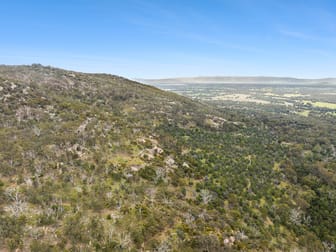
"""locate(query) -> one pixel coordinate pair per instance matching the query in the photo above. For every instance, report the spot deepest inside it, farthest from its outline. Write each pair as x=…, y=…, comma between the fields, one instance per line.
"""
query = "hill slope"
x=98, y=162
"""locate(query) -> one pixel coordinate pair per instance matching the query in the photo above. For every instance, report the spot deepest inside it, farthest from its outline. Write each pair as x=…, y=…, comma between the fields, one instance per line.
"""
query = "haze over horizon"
x=160, y=39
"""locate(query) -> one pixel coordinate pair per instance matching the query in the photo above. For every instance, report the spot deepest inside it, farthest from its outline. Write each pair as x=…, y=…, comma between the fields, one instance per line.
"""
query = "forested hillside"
x=95, y=162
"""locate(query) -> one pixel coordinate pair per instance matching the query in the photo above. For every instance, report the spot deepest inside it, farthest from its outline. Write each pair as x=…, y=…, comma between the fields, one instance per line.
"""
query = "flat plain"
x=301, y=100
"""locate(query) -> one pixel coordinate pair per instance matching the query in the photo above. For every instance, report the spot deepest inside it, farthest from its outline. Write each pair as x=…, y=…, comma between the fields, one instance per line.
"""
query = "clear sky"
x=170, y=38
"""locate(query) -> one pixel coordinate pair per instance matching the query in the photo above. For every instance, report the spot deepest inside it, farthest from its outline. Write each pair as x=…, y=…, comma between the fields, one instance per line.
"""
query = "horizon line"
x=170, y=78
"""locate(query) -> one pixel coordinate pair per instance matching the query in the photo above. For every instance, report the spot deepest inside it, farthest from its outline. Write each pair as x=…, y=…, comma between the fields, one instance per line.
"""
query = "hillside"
x=241, y=80
x=96, y=162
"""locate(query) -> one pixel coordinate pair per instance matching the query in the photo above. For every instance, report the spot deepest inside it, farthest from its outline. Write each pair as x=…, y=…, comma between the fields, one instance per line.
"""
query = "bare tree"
x=18, y=204
x=206, y=196
x=124, y=239
x=329, y=246
x=151, y=193
x=189, y=219
x=164, y=247
x=36, y=131
x=295, y=216
x=160, y=174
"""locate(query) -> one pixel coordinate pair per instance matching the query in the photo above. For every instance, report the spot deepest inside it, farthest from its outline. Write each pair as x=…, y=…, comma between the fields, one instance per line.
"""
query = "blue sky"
x=170, y=38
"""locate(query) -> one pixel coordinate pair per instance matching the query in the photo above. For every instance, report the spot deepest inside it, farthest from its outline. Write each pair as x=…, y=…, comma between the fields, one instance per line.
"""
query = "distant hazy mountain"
x=239, y=80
